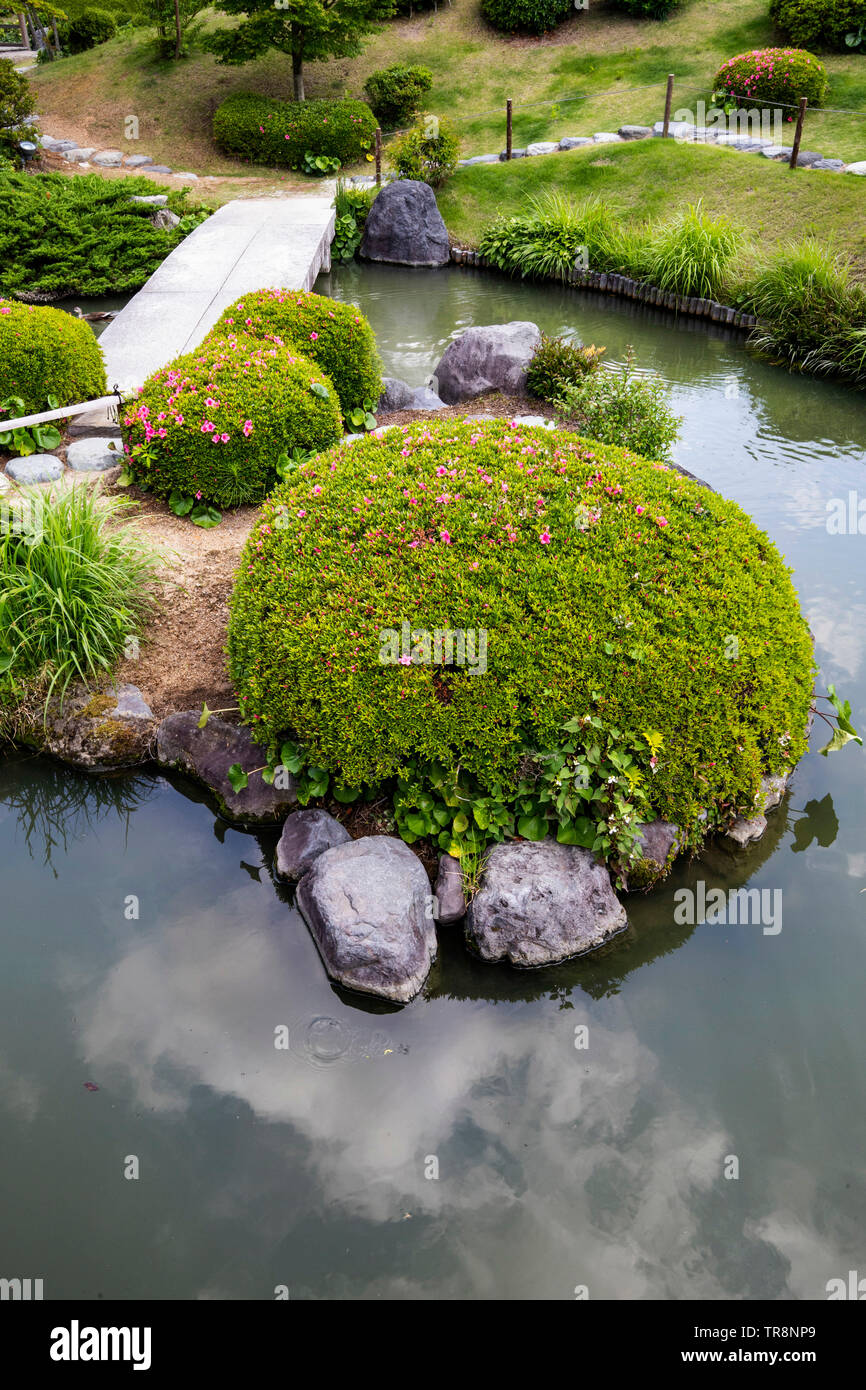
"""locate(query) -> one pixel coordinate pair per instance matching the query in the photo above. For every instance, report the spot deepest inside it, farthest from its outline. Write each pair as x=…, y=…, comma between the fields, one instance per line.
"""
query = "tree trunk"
x=177, y=29
x=298, y=62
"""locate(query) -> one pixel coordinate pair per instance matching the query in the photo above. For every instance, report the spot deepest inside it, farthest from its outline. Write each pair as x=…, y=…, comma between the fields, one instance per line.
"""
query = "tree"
x=307, y=29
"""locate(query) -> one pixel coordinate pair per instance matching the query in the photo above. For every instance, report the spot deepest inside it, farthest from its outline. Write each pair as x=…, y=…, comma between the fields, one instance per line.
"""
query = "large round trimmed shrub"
x=605, y=584
x=268, y=131
x=819, y=24
x=217, y=420
x=335, y=335
x=648, y=9
x=86, y=30
x=770, y=76
x=395, y=94
x=526, y=16
x=44, y=352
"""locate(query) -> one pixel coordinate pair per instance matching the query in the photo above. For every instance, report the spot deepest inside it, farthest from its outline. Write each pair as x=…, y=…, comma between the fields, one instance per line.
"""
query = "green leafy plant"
x=320, y=164
x=526, y=16
x=428, y=152
x=558, y=362
x=273, y=132
x=396, y=94
x=822, y=25
x=622, y=407
x=765, y=77
x=553, y=234
x=351, y=206
x=843, y=730
x=362, y=417
x=27, y=440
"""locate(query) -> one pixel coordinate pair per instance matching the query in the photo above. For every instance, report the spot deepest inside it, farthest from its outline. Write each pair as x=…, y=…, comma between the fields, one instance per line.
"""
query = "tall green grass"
x=692, y=254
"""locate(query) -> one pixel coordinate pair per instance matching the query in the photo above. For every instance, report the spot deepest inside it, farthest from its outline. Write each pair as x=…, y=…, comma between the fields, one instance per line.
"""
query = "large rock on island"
x=369, y=907
x=207, y=754
x=99, y=730
x=404, y=227
x=306, y=835
x=541, y=902
x=487, y=359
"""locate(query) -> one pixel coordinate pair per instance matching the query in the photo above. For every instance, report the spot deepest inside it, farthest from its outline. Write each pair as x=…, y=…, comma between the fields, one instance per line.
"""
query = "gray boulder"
x=164, y=219
x=659, y=843
x=404, y=227
x=157, y=200
x=36, y=468
x=744, y=831
x=771, y=791
x=99, y=730
x=136, y=161
x=635, y=132
x=833, y=165
x=425, y=399
x=450, y=897
x=367, y=904
x=306, y=835
x=515, y=154
x=108, y=159
x=542, y=902
x=207, y=754
x=94, y=455
x=541, y=147
x=574, y=142
x=396, y=395
x=487, y=359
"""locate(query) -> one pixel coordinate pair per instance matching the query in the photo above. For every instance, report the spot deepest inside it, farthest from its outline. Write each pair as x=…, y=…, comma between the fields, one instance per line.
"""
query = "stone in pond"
x=369, y=908
x=207, y=754
x=36, y=468
x=425, y=399
x=745, y=830
x=396, y=395
x=404, y=227
x=450, y=897
x=659, y=842
x=306, y=835
x=98, y=730
x=540, y=903
x=493, y=358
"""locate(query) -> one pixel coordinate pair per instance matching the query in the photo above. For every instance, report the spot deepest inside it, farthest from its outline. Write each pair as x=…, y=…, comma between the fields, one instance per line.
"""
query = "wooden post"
x=378, y=156
x=56, y=36
x=22, y=25
x=176, y=29
x=798, y=133
x=669, y=96
x=508, y=131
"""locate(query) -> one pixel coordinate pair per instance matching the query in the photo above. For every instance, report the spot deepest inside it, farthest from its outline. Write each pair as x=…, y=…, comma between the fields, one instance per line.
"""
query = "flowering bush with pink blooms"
x=267, y=131
x=772, y=76
x=335, y=335
x=213, y=424
x=596, y=583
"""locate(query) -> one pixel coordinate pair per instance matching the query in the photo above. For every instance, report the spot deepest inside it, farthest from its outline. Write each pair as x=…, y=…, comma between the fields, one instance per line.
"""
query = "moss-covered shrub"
x=44, y=352
x=819, y=24
x=216, y=420
x=336, y=336
x=396, y=93
x=268, y=131
x=768, y=76
x=605, y=585
x=526, y=16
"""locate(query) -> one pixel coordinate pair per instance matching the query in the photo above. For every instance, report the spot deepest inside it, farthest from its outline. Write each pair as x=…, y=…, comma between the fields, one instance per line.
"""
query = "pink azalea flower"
x=545, y=538
x=248, y=428
x=444, y=536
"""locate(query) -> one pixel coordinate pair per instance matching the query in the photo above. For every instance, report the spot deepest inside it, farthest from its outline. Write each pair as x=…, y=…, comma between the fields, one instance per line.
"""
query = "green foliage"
x=526, y=16
x=395, y=94
x=648, y=9
x=27, y=439
x=319, y=164
x=811, y=313
x=603, y=585
x=44, y=352
x=558, y=362
x=825, y=25
x=691, y=254
x=17, y=104
x=334, y=335
x=86, y=30
x=428, y=152
x=212, y=424
x=622, y=407
x=765, y=77
x=274, y=132
x=553, y=235
x=83, y=235
x=352, y=206
x=74, y=586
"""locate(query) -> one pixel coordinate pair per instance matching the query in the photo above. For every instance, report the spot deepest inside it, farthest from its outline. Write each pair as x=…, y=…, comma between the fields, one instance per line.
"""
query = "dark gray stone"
x=635, y=132
x=493, y=358
x=207, y=754
x=515, y=154
x=404, y=227
x=306, y=835
x=450, y=898
x=136, y=161
x=36, y=468
x=425, y=399
x=659, y=842
x=540, y=903
x=368, y=906
x=808, y=157
x=158, y=169
x=99, y=730
x=834, y=165
x=397, y=395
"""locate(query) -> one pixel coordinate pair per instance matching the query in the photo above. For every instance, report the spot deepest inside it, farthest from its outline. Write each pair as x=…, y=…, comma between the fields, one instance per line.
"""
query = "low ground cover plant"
x=46, y=353
x=618, y=406
x=558, y=362
x=352, y=206
x=268, y=131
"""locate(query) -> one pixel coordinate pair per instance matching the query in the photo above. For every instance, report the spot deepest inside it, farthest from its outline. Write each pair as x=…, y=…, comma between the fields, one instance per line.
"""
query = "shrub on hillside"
x=268, y=131
x=526, y=16
x=17, y=104
x=336, y=336
x=556, y=363
x=820, y=24
x=44, y=352
x=604, y=587
x=772, y=76
x=648, y=9
x=428, y=152
x=396, y=94
x=86, y=30
x=212, y=425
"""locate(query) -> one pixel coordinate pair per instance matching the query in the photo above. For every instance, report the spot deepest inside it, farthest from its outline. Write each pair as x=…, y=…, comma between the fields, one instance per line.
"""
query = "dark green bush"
x=396, y=94
x=648, y=9
x=86, y=30
x=605, y=584
x=17, y=104
x=557, y=363
x=268, y=131
x=44, y=352
x=772, y=76
x=213, y=424
x=428, y=152
x=336, y=336
x=526, y=16
x=819, y=24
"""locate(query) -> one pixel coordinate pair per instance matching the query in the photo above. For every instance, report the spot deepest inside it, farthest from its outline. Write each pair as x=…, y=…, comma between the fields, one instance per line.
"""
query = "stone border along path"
x=91, y=156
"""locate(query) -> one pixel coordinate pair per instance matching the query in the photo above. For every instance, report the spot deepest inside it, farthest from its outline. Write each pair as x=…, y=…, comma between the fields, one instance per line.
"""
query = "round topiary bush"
x=772, y=76
x=268, y=131
x=86, y=30
x=581, y=581
x=395, y=94
x=821, y=24
x=526, y=16
x=215, y=421
x=44, y=352
x=335, y=335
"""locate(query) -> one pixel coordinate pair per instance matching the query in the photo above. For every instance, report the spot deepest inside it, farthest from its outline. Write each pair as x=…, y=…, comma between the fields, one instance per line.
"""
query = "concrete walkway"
x=246, y=245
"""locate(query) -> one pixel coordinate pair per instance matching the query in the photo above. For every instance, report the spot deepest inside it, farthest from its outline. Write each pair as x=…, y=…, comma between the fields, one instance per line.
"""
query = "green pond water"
x=309, y=1167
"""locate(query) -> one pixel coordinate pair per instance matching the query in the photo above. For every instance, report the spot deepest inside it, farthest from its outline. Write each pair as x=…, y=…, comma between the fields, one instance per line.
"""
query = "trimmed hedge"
x=526, y=16
x=336, y=336
x=44, y=352
x=605, y=584
x=821, y=24
x=768, y=76
x=268, y=131
x=216, y=420
x=86, y=30
x=395, y=94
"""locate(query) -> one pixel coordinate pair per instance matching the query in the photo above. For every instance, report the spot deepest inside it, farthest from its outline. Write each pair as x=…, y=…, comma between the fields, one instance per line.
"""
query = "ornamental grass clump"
x=334, y=335
x=578, y=582
x=811, y=313
x=692, y=253
x=554, y=234
x=212, y=425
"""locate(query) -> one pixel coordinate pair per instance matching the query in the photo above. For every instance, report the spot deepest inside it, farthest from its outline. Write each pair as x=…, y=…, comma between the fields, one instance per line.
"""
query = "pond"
x=463, y=1147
